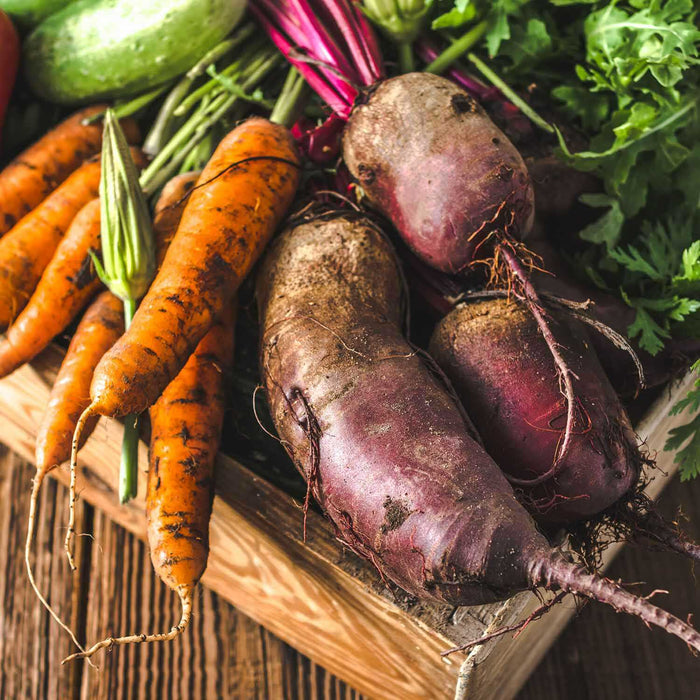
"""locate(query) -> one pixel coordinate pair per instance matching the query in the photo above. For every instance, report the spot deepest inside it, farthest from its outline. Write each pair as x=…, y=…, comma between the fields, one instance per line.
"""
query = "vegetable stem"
x=406, y=62
x=513, y=96
x=164, y=120
x=456, y=49
x=128, y=466
x=195, y=128
x=291, y=100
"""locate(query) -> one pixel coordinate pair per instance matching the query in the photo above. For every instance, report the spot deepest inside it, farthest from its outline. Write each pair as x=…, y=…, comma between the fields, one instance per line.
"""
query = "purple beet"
x=428, y=157
x=384, y=447
x=500, y=366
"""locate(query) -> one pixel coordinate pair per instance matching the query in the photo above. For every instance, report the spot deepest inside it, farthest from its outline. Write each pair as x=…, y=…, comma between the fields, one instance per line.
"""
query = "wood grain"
x=600, y=655
x=316, y=596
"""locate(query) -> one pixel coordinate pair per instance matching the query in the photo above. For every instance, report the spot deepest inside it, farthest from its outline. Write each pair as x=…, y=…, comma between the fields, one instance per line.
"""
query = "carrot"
x=68, y=283
x=30, y=177
x=168, y=210
x=240, y=198
x=186, y=424
x=26, y=250
x=98, y=330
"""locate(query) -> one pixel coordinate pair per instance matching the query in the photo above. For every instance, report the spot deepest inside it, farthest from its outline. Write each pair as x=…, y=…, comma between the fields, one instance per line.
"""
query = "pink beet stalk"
x=330, y=43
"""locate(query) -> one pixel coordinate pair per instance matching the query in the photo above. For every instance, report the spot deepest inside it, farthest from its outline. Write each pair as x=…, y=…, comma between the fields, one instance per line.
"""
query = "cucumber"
x=28, y=13
x=96, y=49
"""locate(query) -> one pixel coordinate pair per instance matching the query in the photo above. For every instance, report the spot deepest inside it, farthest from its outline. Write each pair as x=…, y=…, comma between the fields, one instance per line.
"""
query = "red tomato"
x=9, y=60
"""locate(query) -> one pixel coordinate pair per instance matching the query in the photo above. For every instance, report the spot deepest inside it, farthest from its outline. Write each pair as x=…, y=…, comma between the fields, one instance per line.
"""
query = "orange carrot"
x=186, y=427
x=98, y=330
x=168, y=211
x=240, y=198
x=26, y=250
x=68, y=283
x=30, y=177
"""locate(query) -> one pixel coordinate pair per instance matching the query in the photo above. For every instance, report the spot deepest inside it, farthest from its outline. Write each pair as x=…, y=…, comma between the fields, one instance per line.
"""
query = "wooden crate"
x=316, y=595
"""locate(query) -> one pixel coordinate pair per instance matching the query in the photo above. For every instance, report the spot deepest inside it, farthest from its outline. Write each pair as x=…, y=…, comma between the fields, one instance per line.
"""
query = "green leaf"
x=685, y=439
x=607, y=228
x=650, y=333
x=463, y=11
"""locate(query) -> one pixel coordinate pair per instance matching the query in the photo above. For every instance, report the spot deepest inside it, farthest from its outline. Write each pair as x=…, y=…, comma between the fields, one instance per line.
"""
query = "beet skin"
x=429, y=158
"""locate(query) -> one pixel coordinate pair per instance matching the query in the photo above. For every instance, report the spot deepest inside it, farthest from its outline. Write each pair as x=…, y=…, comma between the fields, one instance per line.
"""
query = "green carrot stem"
x=406, y=62
x=456, y=49
x=128, y=466
x=195, y=128
x=163, y=123
x=291, y=100
x=126, y=109
x=247, y=62
x=513, y=96
x=171, y=149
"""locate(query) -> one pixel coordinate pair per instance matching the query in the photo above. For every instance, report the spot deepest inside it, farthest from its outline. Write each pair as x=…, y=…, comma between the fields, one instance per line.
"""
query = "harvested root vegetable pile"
x=452, y=463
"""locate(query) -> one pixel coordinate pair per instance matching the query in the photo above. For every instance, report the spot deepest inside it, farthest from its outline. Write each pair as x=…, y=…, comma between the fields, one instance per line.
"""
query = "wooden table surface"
x=226, y=655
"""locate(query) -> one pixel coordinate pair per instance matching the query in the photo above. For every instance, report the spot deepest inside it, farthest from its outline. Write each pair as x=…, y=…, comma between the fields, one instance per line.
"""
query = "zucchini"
x=96, y=49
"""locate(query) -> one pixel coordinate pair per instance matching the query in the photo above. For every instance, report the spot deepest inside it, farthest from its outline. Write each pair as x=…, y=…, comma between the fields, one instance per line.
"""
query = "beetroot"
x=385, y=449
x=495, y=356
x=429, y=158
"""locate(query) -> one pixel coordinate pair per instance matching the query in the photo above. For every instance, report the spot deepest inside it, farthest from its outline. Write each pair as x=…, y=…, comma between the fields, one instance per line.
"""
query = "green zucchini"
x=28, y=13
x=96, y=49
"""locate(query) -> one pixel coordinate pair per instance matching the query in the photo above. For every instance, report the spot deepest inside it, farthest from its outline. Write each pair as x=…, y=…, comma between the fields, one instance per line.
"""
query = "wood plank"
x=315, y=596
x=600, y=655
x=31, y=644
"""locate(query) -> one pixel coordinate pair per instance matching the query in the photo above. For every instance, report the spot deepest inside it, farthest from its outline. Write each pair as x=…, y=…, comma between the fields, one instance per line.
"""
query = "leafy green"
x=685, y=439
x=625, y=75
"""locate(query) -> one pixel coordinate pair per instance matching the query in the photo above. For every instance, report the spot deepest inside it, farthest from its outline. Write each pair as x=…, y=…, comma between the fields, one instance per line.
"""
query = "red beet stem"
x=555, y=572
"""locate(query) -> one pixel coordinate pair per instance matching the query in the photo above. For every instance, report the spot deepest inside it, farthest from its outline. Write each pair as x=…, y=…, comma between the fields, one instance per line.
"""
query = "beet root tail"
x=656, y=529
x=555, y=572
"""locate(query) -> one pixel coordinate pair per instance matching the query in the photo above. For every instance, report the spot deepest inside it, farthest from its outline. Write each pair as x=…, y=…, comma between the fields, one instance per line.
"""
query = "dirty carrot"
x=68, y=283
x=26, y=250
x=36, y=172
x=240, y=198
x=98, y=330
x=100, y=327
x=168, y=210
x=186, y=426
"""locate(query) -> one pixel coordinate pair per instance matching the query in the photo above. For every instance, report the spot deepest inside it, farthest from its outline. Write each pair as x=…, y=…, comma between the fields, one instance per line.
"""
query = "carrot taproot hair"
x=36, y=172
x=186, y=424
x=240, y=198
x=26, y=250
x=67, y=285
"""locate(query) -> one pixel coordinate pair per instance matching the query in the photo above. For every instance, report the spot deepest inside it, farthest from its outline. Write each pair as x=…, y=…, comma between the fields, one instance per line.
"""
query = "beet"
x=384, y=447
x=496, y=358
x=428, y=157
